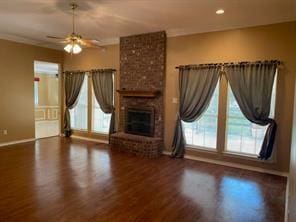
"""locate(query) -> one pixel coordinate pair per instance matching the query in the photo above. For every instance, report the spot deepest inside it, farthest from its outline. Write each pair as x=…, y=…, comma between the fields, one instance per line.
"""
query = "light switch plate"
x=175, y=100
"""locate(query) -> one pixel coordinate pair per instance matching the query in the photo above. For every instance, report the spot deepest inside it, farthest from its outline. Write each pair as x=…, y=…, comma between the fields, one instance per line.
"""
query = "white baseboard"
x=287, y=201
x=90, y=139
x=17, y=142
x=235, y=165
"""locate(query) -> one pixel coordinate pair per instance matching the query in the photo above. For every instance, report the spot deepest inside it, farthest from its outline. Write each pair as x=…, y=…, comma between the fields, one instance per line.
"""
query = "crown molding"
x=184, y=32
x=114, y=41
x=44, y=44
x=28, y=41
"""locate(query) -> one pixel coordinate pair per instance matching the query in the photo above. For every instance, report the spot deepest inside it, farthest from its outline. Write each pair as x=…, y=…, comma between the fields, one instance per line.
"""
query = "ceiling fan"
x=74, y=42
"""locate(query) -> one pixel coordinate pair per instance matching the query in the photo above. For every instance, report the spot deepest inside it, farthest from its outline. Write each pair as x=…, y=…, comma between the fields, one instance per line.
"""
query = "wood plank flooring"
x=59, y=179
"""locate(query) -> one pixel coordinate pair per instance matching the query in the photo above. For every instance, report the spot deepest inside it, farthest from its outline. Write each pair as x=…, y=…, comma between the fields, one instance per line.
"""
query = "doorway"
x=46, y=99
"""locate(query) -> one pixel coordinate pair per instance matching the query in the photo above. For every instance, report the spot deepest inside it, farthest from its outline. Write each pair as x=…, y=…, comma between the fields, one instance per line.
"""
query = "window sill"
x=80, y=130
x=202, y=149
x=246, y=156
x=100, y=133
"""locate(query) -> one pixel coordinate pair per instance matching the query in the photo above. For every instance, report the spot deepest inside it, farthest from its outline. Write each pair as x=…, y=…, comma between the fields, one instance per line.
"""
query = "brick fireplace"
x=142, y=82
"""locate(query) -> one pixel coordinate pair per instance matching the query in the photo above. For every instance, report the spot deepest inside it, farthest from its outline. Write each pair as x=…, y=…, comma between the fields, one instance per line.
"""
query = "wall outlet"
x=175, y=100
x=4, y=132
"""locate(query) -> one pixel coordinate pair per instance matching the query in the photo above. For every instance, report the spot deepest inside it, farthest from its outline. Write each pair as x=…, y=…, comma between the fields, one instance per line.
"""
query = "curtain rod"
x=278, y=62
x=89, y=71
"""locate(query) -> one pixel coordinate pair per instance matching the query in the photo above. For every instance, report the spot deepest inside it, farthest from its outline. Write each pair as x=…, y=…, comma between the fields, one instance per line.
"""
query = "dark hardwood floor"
x=59, y=179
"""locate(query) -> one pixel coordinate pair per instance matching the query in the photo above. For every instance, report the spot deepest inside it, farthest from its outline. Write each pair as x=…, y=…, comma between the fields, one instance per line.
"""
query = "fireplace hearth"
x=139, y=121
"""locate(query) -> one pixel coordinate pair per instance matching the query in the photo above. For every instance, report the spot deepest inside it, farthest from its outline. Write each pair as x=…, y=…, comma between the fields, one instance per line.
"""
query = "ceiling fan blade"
x=63, y=42
x=91, y=44
x=87, y=38
x=54, y=37
x=97, y=41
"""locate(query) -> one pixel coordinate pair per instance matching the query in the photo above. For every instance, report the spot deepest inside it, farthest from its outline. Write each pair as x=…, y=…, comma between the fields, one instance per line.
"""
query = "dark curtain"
x=104, y=92
x=252, y=84
x=73, y=84
x=196, y=87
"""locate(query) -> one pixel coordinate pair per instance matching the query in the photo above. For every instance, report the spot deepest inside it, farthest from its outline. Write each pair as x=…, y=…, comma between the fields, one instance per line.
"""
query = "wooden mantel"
x=139, y=93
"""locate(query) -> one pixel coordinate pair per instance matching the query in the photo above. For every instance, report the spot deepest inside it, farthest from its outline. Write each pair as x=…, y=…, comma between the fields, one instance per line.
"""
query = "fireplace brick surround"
x=142, y=67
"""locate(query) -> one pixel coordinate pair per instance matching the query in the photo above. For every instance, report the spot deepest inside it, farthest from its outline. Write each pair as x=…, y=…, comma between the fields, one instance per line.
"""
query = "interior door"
x=46, y=99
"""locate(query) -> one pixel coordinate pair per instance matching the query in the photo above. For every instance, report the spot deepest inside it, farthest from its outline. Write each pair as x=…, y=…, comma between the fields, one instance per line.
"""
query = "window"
x=36, y=97
x=79, y=112
x=100, y=120
x=203, y=132
x=242, y=135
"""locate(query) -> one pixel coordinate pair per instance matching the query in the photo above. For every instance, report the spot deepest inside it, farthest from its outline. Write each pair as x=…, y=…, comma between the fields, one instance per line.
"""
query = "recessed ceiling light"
x=220, y=12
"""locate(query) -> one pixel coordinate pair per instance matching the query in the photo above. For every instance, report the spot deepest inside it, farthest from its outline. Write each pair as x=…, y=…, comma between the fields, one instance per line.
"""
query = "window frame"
x=272, y=115
x=87, y=106
x=204, y=148
x=93, y=100
x=221, y=142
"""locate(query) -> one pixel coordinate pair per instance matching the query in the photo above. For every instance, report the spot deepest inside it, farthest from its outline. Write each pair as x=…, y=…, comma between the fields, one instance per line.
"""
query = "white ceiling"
x=31, y=20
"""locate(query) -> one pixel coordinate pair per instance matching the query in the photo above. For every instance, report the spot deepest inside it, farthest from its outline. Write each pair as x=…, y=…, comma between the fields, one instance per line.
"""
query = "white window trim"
x=82, y=129
x=201, y=148
x=246, y=156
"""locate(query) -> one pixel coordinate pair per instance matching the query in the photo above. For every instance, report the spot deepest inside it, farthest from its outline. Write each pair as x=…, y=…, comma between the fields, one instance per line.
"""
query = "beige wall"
x=48, y=90
x=17, y=87
x=248, y=44
x=94, y=59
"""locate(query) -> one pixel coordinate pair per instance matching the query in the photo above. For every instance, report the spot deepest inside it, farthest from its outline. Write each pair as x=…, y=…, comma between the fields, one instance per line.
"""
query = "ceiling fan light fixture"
x=73, y=48
x=76, y=48
x=74, y=42
x=68, y=48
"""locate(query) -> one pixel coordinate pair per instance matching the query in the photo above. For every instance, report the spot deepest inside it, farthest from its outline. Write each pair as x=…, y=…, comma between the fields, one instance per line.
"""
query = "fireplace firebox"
x=140, y=121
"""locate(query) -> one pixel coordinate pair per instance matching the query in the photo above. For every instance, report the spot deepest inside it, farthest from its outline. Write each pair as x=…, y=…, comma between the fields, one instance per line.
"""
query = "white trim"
x=201, y=149
x=41, y=118
x=99, y=133
x=43, y=107
x=246, y=156
x=29, y=41
x=240, y=154
x=235, y=165
x=47, y=44
x=17, y=142
x=287, y=201
x=55, y=114
x=90, y=139
x=48, y=114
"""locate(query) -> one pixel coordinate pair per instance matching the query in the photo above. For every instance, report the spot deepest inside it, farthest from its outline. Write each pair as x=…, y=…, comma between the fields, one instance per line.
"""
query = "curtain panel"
x=196, y=88
x=73, y=84
x=103, y=89
x=252, y=84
